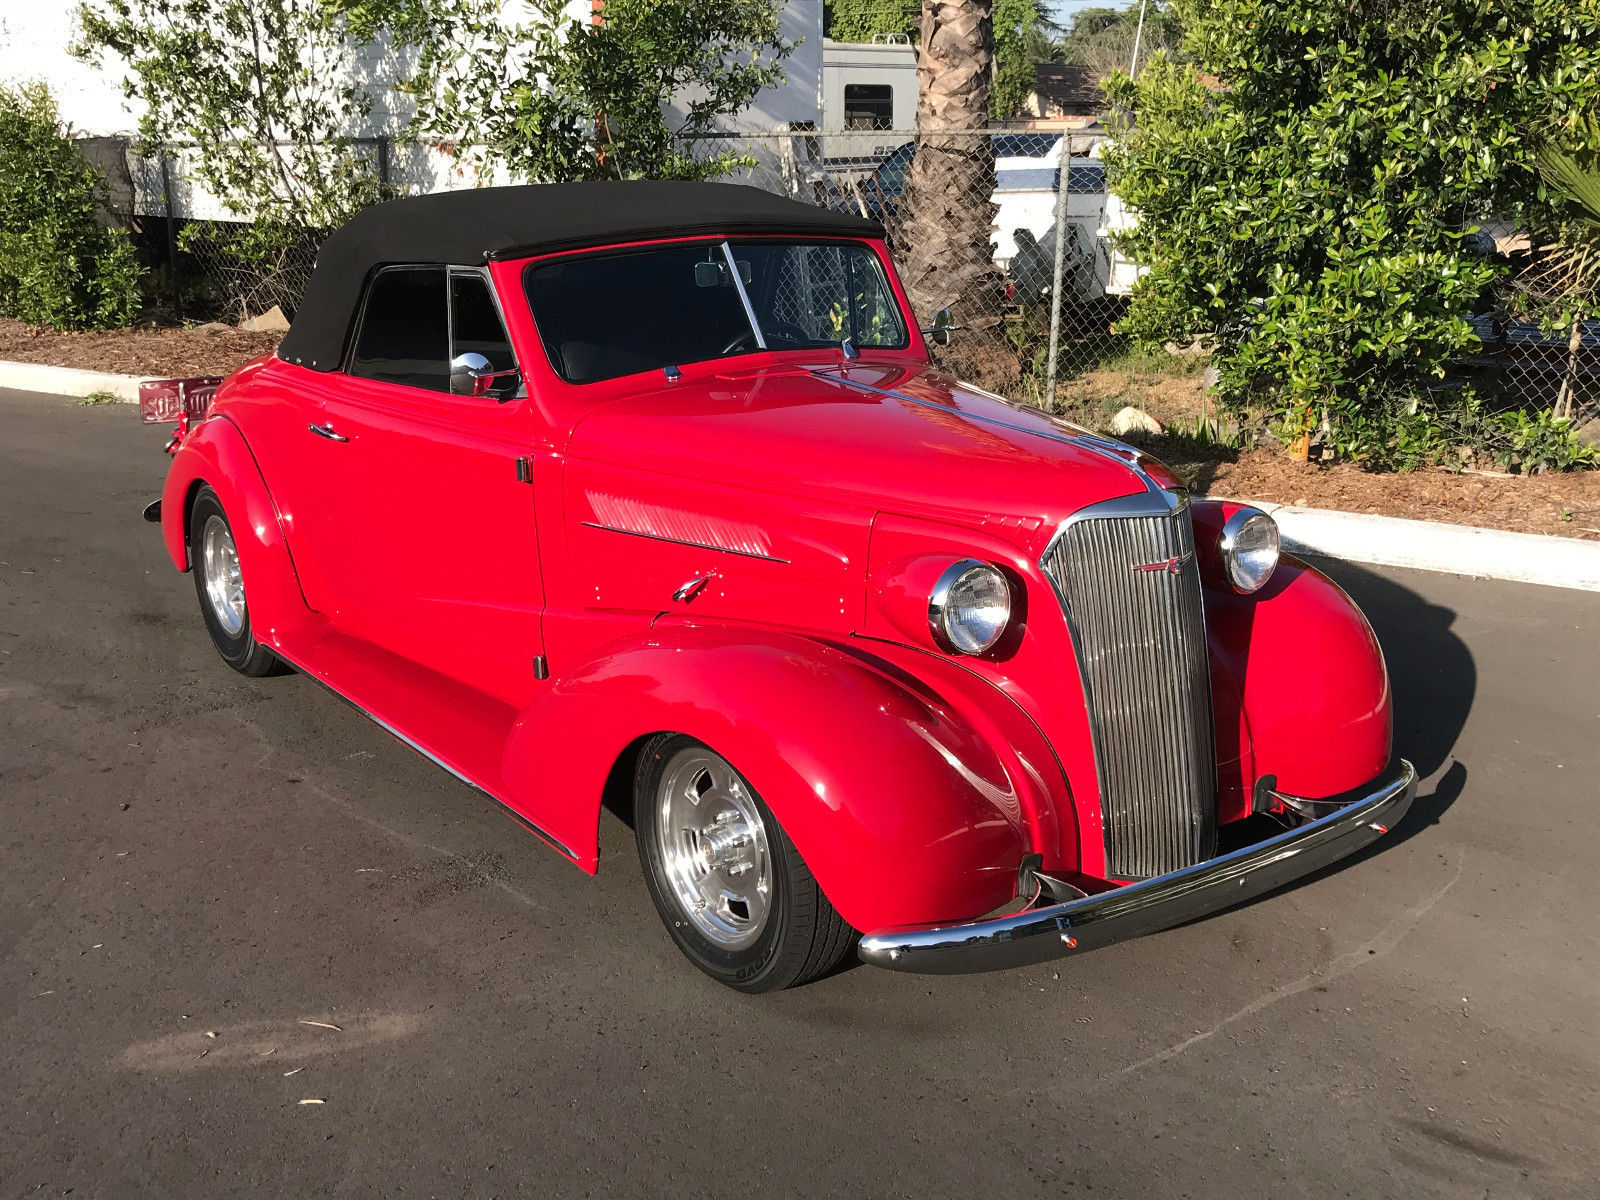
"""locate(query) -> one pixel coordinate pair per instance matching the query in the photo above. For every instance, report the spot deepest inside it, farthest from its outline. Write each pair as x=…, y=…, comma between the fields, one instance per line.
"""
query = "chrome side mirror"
x=939, y=332
x=471, y=374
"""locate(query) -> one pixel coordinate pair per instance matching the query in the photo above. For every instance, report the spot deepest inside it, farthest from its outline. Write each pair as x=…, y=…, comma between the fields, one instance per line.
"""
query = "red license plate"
x=168, y=399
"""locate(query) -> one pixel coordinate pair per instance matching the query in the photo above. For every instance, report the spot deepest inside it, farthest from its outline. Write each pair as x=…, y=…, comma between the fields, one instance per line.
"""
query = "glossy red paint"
x=740, y=554
x=1299, y=688
x=215, y=453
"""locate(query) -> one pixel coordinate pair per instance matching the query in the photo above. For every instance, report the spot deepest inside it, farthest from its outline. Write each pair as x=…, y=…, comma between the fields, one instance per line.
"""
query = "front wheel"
x=220, y=585
x=729, y=884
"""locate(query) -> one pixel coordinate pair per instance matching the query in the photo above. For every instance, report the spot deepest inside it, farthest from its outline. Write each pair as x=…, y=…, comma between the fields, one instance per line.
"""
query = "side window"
x=405, y=332
x=475, y=328
x=868, y=106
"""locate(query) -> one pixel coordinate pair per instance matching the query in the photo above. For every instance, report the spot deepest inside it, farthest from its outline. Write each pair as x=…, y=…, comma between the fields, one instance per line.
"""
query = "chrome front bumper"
x=1037, y=934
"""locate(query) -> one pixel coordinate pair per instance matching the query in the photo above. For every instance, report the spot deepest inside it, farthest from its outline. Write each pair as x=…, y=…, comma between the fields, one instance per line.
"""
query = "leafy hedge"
x=1305, y=207
x=59, y=264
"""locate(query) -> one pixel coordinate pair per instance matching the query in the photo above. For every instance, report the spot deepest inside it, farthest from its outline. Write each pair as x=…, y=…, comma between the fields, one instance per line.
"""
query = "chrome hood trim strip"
x=1065, y=433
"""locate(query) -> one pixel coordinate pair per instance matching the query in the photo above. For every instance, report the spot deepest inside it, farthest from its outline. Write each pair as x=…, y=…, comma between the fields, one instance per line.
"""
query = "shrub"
x=60, y=265
x=1308, y=215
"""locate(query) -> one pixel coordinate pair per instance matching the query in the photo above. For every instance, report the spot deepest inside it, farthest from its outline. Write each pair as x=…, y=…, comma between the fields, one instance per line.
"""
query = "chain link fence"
x=1051, y=223
x=1052, y=233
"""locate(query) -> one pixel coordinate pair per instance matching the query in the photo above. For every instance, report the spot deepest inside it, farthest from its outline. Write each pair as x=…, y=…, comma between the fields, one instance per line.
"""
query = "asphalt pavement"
x=221, y=898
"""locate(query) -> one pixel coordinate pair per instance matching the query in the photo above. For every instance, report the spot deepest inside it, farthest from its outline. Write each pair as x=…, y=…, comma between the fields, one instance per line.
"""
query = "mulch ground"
x=1566, y=505
x=139, y=350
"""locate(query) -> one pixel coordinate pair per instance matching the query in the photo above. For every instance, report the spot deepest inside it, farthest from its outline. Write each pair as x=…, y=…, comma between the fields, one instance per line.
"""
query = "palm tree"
x=1571, y=279
x=942, y=241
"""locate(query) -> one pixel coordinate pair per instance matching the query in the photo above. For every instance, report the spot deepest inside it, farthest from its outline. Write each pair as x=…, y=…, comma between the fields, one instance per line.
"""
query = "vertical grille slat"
x=1140, y=640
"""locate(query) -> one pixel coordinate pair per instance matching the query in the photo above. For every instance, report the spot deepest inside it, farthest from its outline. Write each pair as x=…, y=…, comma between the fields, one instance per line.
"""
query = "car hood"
x=895, y=436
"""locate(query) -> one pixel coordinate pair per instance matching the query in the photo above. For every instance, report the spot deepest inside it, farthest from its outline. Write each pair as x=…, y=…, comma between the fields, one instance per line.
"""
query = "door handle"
x=327, y=431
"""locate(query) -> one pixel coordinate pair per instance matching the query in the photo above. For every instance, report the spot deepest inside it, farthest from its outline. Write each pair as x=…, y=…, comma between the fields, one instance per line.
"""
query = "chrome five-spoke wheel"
x=219, y=582
x=730, y=886
x=715, y=847
x=223, y=583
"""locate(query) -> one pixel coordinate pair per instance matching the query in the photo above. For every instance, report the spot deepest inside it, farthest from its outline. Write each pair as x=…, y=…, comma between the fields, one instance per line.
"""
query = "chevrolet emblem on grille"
x=1172, y=566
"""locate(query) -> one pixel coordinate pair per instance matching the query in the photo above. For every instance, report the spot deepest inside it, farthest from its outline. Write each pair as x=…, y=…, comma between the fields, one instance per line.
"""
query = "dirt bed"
x=1565, y=505
x=141, y=350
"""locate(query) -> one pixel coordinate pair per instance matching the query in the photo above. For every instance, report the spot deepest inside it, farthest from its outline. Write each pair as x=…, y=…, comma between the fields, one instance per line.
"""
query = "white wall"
x=34, y=35
x=798, y=95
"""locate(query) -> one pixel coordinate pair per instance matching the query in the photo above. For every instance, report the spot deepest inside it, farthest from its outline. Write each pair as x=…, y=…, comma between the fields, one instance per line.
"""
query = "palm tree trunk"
x=942, y=239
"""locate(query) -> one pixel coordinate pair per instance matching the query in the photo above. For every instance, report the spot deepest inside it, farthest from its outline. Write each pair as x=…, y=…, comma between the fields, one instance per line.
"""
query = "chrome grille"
x=1140, y=639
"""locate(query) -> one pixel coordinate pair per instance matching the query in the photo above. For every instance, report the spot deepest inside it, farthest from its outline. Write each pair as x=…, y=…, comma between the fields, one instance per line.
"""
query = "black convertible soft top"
x=483, y=224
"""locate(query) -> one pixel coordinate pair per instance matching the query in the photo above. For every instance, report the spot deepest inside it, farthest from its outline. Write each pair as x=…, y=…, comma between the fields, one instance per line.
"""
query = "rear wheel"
x=214, y=559
x=729, y=884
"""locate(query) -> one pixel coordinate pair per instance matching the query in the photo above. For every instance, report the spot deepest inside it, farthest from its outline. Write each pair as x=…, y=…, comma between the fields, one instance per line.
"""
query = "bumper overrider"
x=1352, y=820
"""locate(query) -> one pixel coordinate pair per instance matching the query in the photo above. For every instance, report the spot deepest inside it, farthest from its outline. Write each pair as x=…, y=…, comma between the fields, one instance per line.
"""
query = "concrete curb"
x=1353, y=537
x=1436, y=546
x=68, y=381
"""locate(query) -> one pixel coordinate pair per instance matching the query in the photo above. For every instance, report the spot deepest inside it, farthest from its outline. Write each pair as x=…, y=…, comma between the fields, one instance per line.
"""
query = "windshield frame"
x=758, y=336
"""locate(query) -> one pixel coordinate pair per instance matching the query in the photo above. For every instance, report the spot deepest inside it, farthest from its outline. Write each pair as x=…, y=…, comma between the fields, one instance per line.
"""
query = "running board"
x=467, y=730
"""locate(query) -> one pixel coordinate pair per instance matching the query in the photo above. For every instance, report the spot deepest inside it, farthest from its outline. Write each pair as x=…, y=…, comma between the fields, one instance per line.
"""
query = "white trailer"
x=870, y=90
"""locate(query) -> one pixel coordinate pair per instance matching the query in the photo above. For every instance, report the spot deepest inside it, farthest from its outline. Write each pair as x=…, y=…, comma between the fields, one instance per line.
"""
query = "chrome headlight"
x=970, y=607
x=1249, y=549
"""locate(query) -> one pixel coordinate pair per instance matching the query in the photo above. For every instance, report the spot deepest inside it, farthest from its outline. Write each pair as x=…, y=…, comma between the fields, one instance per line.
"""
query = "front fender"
x=216, y=454
x=1305, y=693
x=900, y=808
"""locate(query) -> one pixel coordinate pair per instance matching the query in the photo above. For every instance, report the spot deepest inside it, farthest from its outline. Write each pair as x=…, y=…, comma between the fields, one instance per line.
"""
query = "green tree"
x=1014, y=23
x=862, y=20
x=627, y=96
x=265, y=90
x=60, y=265
x=1102, y=39
x=256, y=100
x=1309, y=219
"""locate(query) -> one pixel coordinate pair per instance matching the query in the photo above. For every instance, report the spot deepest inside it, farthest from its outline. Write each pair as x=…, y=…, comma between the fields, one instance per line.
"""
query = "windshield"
x=620, y=312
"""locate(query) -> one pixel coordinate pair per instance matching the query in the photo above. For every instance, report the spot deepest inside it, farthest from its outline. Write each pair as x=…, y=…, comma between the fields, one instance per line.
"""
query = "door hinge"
x=524, y=470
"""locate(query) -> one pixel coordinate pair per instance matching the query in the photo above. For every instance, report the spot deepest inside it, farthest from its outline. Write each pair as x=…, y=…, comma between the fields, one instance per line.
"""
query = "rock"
x=1135, y=420
x=213, y=328
x=1589, y=432
x=271, y=321
x=1209, y=377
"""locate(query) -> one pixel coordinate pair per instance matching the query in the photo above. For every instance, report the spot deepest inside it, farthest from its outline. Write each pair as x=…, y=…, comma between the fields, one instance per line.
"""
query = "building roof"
x=1068, y=88
x=486, y=224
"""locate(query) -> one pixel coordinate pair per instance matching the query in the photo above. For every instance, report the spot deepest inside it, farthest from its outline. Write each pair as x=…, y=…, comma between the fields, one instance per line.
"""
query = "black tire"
x=239, y=648
x=802, y=939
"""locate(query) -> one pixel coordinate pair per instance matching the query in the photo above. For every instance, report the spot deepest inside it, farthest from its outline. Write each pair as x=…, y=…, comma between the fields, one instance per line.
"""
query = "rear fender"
x=216, y=454
x=902, y=811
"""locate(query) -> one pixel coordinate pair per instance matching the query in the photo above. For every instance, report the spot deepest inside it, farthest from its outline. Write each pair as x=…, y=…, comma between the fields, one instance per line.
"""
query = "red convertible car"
x=647, y=494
